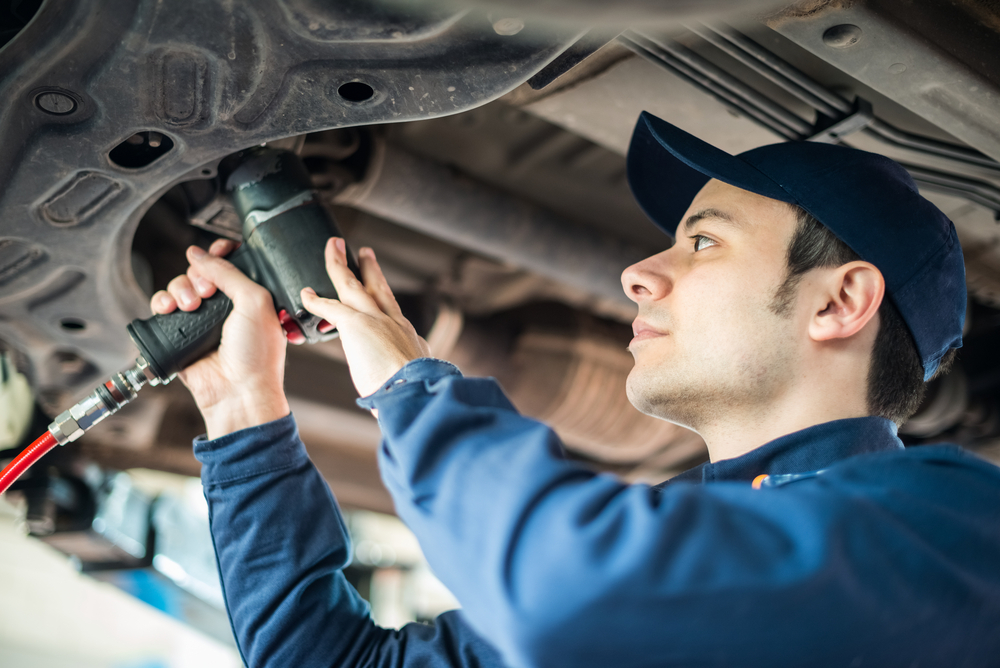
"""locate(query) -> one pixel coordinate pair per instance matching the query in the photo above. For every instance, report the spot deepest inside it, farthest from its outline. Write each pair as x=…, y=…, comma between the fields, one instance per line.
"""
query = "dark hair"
x=896, y=375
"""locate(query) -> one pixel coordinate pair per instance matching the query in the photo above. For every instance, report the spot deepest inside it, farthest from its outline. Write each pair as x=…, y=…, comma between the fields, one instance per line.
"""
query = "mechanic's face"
x=706, y=340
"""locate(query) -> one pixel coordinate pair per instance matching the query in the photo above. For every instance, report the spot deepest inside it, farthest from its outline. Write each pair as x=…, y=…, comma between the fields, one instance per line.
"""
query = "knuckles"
x=178, y=282
x=259, y=298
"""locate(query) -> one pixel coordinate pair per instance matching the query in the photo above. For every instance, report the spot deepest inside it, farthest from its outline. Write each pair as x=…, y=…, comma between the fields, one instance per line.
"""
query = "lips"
x=642, y=331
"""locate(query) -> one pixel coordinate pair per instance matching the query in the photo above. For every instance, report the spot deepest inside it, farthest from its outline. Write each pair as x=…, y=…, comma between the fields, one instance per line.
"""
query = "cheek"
x=727, y=316
x=708, y=302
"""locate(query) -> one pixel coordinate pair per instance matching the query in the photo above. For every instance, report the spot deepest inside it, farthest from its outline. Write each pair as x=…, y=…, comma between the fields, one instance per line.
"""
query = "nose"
x=647, y=279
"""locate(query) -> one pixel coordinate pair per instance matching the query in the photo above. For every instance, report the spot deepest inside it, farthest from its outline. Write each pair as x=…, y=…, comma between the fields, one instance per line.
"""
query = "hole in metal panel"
x=73, y=324
x=356, y=91
x=141, y=149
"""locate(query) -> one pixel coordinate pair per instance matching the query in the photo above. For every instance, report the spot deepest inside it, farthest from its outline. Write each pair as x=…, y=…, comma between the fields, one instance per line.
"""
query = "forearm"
x=281, y=546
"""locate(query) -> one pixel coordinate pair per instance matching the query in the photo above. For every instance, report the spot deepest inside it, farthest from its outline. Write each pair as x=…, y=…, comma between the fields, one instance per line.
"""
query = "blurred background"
x=125, y=599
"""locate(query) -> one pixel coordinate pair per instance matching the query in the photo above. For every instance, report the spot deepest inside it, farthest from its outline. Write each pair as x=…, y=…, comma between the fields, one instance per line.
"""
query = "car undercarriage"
x=479, y=149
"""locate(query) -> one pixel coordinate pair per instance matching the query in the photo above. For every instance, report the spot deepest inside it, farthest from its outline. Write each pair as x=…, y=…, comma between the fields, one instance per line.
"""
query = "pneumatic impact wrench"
x=285, y=228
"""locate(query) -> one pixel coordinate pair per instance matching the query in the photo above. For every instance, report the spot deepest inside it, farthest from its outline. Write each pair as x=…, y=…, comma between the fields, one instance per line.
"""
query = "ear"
x=849, y=297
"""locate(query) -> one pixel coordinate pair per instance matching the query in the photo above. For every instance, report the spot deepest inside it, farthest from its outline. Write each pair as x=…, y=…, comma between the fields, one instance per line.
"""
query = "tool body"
x=285, y=228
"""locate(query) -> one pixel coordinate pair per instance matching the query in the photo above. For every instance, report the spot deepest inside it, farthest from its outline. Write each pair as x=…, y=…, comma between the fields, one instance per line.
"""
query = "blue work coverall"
x=853, y=552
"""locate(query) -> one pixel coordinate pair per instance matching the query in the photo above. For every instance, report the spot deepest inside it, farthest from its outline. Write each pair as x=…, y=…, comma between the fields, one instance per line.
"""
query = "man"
x=810, y=293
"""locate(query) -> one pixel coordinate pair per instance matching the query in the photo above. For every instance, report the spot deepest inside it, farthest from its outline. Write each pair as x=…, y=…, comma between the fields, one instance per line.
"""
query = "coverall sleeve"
x=556, y=565
x=281, y=545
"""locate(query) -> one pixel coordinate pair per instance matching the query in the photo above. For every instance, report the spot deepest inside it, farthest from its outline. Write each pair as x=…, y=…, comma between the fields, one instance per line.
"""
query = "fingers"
x=222, y=274
x=376, y=285
x=331, y=310
x=349, y=289
x=162, y=302
x=222, y=247
x=183, y=293
x=188, y=294
x=202, y=286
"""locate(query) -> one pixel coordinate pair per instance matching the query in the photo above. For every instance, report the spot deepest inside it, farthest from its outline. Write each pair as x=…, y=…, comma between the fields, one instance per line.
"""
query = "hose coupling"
x=105, y=400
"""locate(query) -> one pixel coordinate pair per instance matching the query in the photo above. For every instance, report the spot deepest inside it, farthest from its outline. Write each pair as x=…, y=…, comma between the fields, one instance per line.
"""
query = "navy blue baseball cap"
x=867, y=200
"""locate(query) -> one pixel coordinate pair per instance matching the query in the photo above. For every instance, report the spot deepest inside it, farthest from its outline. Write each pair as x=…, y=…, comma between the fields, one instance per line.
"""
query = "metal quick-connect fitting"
x=90, y=411
x=119, y=390
x=65, y=428
x=143, y=370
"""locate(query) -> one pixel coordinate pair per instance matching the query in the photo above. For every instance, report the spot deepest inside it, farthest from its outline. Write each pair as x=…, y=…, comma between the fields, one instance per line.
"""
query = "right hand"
x=239, y=385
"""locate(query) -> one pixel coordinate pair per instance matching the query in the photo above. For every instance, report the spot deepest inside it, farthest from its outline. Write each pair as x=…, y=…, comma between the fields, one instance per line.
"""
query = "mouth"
x=642, y=331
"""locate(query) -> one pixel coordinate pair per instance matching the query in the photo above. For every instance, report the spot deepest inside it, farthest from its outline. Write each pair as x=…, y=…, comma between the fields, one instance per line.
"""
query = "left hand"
x=378, y=341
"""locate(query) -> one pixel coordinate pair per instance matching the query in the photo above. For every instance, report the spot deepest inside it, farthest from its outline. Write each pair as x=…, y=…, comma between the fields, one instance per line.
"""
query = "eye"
x=701, y=241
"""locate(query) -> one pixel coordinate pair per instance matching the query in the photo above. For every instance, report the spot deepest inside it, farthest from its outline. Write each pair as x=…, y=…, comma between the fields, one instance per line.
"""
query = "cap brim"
x=668, y=166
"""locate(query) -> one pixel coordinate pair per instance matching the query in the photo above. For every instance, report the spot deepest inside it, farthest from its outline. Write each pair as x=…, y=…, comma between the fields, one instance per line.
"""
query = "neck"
x=814, y=400
x=733, y=438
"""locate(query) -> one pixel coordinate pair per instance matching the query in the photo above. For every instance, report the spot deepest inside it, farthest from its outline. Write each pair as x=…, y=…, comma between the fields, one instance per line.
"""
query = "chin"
x=645, y=390
x=643, y=394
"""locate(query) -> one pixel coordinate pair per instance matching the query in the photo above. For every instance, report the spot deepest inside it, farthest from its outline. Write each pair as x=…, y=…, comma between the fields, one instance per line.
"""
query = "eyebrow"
x=718, y=214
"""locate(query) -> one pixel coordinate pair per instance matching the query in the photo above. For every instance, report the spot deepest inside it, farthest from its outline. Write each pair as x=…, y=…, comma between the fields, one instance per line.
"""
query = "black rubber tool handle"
x=171, y=342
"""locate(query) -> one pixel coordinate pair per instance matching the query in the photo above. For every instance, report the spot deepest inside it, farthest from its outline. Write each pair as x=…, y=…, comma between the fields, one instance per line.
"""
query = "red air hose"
x=23, y=461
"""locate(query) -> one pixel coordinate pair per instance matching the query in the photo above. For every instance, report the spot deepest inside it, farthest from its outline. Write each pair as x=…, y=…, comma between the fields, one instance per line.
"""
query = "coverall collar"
x=810, y=449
